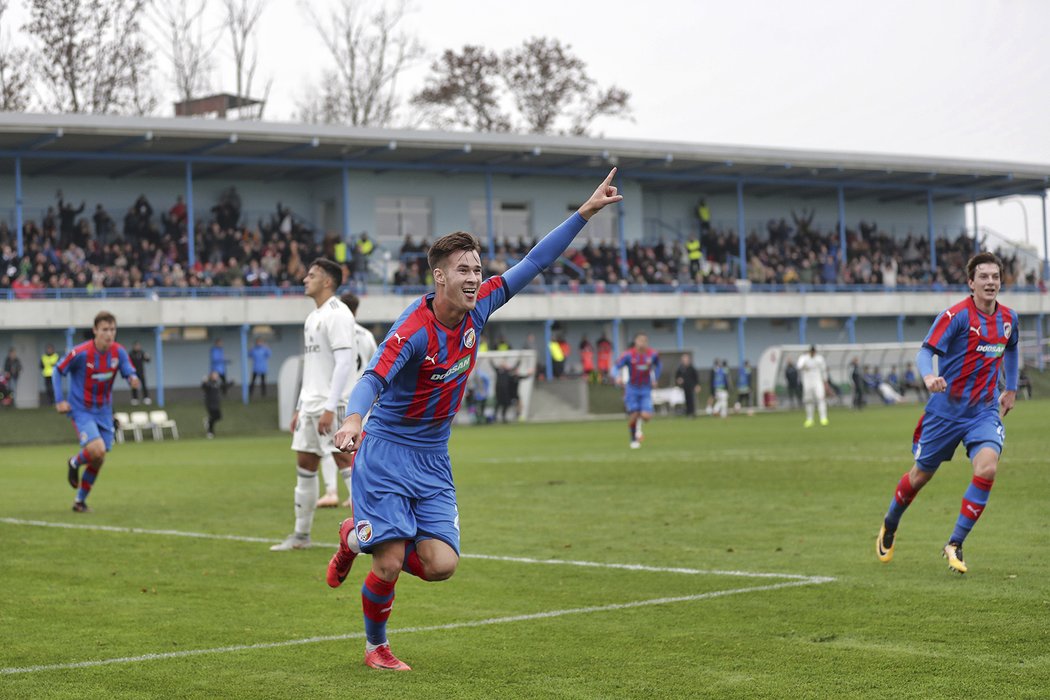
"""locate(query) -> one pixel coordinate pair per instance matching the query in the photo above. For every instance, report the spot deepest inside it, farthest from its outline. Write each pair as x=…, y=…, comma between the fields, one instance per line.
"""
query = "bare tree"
x=463, y=90
x=242, y=16
x=370, y=52
x=186, y=44
x=546, y=83
x=15, y=78
x=91, y=55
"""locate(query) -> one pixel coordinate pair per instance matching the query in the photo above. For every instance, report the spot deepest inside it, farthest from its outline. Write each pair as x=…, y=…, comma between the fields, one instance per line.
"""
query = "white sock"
x=809, y=410
x=305, y=501
x=822, y=409
x=331, y=485
x=347, y=475
x=372, y=647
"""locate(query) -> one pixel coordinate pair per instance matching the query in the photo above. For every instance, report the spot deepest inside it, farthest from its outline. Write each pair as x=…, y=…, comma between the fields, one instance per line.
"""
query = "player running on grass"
x=976, y=340
x=641, y=364
x=404, y=500
x=92, y=368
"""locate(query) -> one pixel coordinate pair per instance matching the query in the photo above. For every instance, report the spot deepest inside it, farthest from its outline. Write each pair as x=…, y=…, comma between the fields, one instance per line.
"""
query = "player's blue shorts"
x=638, y=399
x=92, y=426
x=937, y=437
x=403, y=493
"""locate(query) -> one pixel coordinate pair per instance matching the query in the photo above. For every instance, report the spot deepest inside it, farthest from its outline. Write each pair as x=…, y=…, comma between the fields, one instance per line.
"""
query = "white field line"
x=810, y=581
x=795, y=581
x=490, y=557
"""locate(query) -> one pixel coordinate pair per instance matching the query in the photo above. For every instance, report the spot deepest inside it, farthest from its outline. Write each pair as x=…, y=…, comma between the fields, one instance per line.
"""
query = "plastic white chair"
x=140, y=422
x=160, y=421
x=123, y=426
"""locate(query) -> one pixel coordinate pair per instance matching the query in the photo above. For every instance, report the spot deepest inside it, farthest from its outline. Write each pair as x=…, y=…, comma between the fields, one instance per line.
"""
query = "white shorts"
x=307, y=439
x=813, y=392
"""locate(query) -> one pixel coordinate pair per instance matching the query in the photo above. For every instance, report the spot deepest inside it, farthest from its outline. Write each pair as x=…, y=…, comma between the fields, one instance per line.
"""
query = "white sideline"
x=796, y=580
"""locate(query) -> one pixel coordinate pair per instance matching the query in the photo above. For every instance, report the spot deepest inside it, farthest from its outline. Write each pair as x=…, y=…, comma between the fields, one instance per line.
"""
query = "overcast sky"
x=955, y=78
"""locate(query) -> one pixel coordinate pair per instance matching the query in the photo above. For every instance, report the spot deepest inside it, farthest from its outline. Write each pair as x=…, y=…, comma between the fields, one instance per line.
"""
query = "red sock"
x=905, y=493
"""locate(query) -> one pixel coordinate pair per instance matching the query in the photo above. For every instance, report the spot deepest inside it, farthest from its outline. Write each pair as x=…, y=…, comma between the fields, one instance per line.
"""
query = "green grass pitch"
x=755, y=495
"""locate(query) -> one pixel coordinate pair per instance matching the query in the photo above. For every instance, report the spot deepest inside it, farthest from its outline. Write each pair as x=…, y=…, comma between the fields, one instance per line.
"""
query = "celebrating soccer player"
x=642, y=365
x=404, y=500
x=92, y=368
x=975, y=341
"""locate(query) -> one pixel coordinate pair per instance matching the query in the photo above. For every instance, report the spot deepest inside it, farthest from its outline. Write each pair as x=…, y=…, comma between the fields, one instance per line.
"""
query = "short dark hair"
x=330, y=268
x=103, y=317
x=352, y=301
x=980, y=259
x=450, y=243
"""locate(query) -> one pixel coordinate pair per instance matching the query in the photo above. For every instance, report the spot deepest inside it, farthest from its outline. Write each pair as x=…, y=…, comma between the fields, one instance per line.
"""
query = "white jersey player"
x=814, y=374
x=365, y=344
x=328, y=359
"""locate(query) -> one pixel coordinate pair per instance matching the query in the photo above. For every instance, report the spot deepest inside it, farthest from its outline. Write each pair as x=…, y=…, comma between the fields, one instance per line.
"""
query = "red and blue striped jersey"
x=970, y=345
x=644, y=367
x=423, y=367
x=91, y=375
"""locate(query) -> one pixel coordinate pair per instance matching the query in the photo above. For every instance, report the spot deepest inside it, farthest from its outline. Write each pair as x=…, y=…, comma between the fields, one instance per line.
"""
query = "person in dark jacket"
x=212, y=388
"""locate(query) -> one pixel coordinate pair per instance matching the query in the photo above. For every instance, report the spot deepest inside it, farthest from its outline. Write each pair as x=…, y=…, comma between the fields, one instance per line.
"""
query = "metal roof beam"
x=41, y=141
x=281, y=153
x=115, y=148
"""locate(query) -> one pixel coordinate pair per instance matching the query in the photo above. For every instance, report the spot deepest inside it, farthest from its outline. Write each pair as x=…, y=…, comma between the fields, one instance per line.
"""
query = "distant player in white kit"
x=814, y=374
x=328, y=362
x=365, y=347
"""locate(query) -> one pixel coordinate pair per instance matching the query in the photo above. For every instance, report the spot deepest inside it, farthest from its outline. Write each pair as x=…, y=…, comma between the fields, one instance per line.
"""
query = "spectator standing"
x=793, y=384
x=587, y=360
x=13, y=370
x=743, y=385
x=139, y=358
x=48, y=360
x=213, y=389
x=857, y=378
x=260, y=365
x=218, y=363
x=687, y=378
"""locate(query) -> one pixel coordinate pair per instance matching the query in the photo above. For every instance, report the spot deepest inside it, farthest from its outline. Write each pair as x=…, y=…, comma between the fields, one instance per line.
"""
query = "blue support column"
x=70, y=333
x=1046, y=250
x=1040, y=336
x=741, y=340
x=740, y=232
x=616, y=339
x=18, y=208
x=191, y=218
x=802, y=330
x=933, y=238
x=158, y=363
x=679, y=327
x=900, y=328
x=346, y=205
x=245, y=375
x=490, y=226
x=851, y=329
x=620, y=229
x=548, y=325
x=842, y=227
x=976, y=229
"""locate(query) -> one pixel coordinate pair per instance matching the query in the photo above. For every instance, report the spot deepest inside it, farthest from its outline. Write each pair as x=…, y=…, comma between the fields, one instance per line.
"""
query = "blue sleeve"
x=924, y=361
x=365, y=393
x=1011, y=366
x=625, y=359
x=56, y=382
x=657, y=367
x=126, y=369
x=543, y=254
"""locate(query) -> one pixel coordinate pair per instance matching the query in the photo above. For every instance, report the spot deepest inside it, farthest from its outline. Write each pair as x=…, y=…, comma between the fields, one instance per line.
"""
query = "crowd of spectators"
x=69, y=249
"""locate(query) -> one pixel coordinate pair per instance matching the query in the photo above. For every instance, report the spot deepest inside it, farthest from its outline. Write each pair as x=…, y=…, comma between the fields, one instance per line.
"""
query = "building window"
x=397, y=217
x=510, y=220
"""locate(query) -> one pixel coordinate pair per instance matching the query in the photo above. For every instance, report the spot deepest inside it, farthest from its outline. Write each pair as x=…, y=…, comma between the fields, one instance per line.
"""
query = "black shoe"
x=73, y=473
x=80, y=507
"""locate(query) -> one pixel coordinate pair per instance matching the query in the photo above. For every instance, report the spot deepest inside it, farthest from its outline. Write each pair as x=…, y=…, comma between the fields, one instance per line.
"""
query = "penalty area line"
x=488, y=557
x=808, y=581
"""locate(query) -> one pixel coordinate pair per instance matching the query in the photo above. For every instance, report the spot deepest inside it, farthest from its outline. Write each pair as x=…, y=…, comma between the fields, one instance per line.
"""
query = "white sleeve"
x=344, y=363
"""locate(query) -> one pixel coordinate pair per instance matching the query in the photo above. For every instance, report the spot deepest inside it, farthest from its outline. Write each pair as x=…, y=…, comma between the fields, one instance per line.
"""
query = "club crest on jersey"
x=1007, y=327
x=364, y=531
x=468, y=338
x=113, y=362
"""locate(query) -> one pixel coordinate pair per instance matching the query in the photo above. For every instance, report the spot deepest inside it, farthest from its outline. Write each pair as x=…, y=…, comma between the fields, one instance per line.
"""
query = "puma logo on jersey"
x=398, y=338
x=949, y=314
x=431, y=358
x=975, y=329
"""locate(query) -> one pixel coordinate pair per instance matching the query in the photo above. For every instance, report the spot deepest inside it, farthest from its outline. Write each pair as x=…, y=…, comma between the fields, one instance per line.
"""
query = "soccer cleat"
x=635, y=444
x=823, y=421
x=953, y=553
x=73, y=473
x=383, y=659
x=348, y=503
x=884, y=545
x=292, y=541
x=343, y=559
x=329, y=500
x=80, y=507
x=808, y=423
